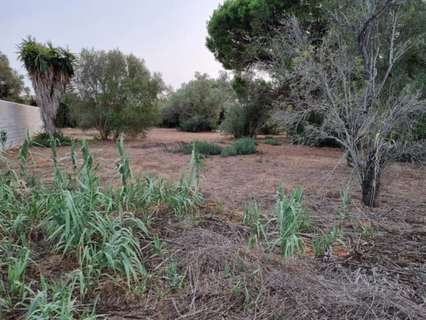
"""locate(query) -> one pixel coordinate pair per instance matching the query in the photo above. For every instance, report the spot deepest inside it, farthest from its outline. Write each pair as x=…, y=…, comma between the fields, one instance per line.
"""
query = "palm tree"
x=50, y=70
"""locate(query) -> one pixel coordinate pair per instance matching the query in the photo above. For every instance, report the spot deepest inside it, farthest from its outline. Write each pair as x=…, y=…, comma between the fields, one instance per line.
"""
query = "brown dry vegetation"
x=379, y=273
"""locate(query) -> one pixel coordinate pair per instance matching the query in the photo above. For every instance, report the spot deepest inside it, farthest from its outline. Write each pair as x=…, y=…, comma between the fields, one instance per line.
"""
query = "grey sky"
x=168, y=34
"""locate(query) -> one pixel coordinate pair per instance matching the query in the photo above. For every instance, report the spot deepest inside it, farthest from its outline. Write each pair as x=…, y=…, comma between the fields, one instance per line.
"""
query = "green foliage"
x=420, y=130
x=291, y=221
x=202, y=147
x=40, y=59
x=242, y=146
x=271, y=141
x=247, y=115
x=14, y=290
x=198, y=104
x=324, y=243
x=43, y=139
x=117, y=93
x=11, y=83
x=50, y=70
x=56, y=301
x=238, y=29
x=100, y=229
x=64, y=116
x=252, y=217
x=174, y=278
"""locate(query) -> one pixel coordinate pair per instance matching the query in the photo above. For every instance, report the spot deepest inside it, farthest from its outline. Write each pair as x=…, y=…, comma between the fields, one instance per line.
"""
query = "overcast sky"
x=168, y=34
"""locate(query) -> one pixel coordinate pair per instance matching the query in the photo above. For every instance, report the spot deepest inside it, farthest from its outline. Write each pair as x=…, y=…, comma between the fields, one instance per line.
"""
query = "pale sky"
x=169, y=34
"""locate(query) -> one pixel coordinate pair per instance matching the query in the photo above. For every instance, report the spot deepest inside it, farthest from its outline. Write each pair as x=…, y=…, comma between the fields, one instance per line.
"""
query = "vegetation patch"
x=242, y=146
x=101, y=234
x=271, y=141
x=202, y=147
x=43, y=139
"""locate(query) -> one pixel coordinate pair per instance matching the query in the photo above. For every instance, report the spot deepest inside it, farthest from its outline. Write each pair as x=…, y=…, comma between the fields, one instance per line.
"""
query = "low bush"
x=43, y=139
x=202, y=147
x=242, y=146
x=271, y=141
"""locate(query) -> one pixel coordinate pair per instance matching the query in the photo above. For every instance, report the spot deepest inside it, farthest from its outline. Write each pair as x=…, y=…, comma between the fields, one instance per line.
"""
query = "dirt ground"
x=232, y=181
x=365, y=276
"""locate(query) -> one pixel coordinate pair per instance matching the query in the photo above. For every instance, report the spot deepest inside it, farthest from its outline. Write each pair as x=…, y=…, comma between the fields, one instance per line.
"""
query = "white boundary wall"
x=16, y=119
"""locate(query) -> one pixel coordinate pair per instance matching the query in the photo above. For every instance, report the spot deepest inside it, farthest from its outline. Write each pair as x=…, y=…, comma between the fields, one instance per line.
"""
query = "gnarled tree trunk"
x=48, y=89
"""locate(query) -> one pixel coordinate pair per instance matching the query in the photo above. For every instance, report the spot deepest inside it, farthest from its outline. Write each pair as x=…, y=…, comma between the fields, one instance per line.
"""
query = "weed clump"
x=202, y=147
x=271, y=141
x=44, y=140
x=242, y=146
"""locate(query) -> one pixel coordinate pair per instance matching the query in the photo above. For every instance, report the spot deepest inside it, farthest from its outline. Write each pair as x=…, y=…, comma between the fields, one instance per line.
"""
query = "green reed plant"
x=123, y=164
x=196, y=165
x=88, y=222
x=74, y=158
x=291, y=221
x=173, y=276
x=14, y=290
x=53, y=301
x=252, y=217
x=324, y=243
x=23, y=156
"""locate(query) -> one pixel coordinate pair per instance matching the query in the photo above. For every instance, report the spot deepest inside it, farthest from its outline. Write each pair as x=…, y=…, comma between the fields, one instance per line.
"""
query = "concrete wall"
x=17, y=119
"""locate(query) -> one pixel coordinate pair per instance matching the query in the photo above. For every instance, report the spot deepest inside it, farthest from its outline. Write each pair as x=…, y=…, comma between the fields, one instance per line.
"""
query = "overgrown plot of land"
x=238, y=253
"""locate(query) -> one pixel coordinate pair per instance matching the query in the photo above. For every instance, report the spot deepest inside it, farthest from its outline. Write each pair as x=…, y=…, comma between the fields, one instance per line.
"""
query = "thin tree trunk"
x=370, y=185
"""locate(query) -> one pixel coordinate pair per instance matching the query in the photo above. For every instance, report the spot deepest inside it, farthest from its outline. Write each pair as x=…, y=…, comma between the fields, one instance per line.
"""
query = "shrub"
x=198, y=105
x=246, y=116
x=202, y=147
x=117, y=92
x=64, y=116
x=196, y=123
x=43, y=139
x=272, y=141
x=242, y=146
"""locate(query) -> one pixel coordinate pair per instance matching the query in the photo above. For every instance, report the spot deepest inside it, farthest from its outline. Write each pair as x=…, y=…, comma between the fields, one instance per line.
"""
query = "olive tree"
x=250, y=111
x=199, y=104
x=116, y=93
x=50, y=70
x=348, y=79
